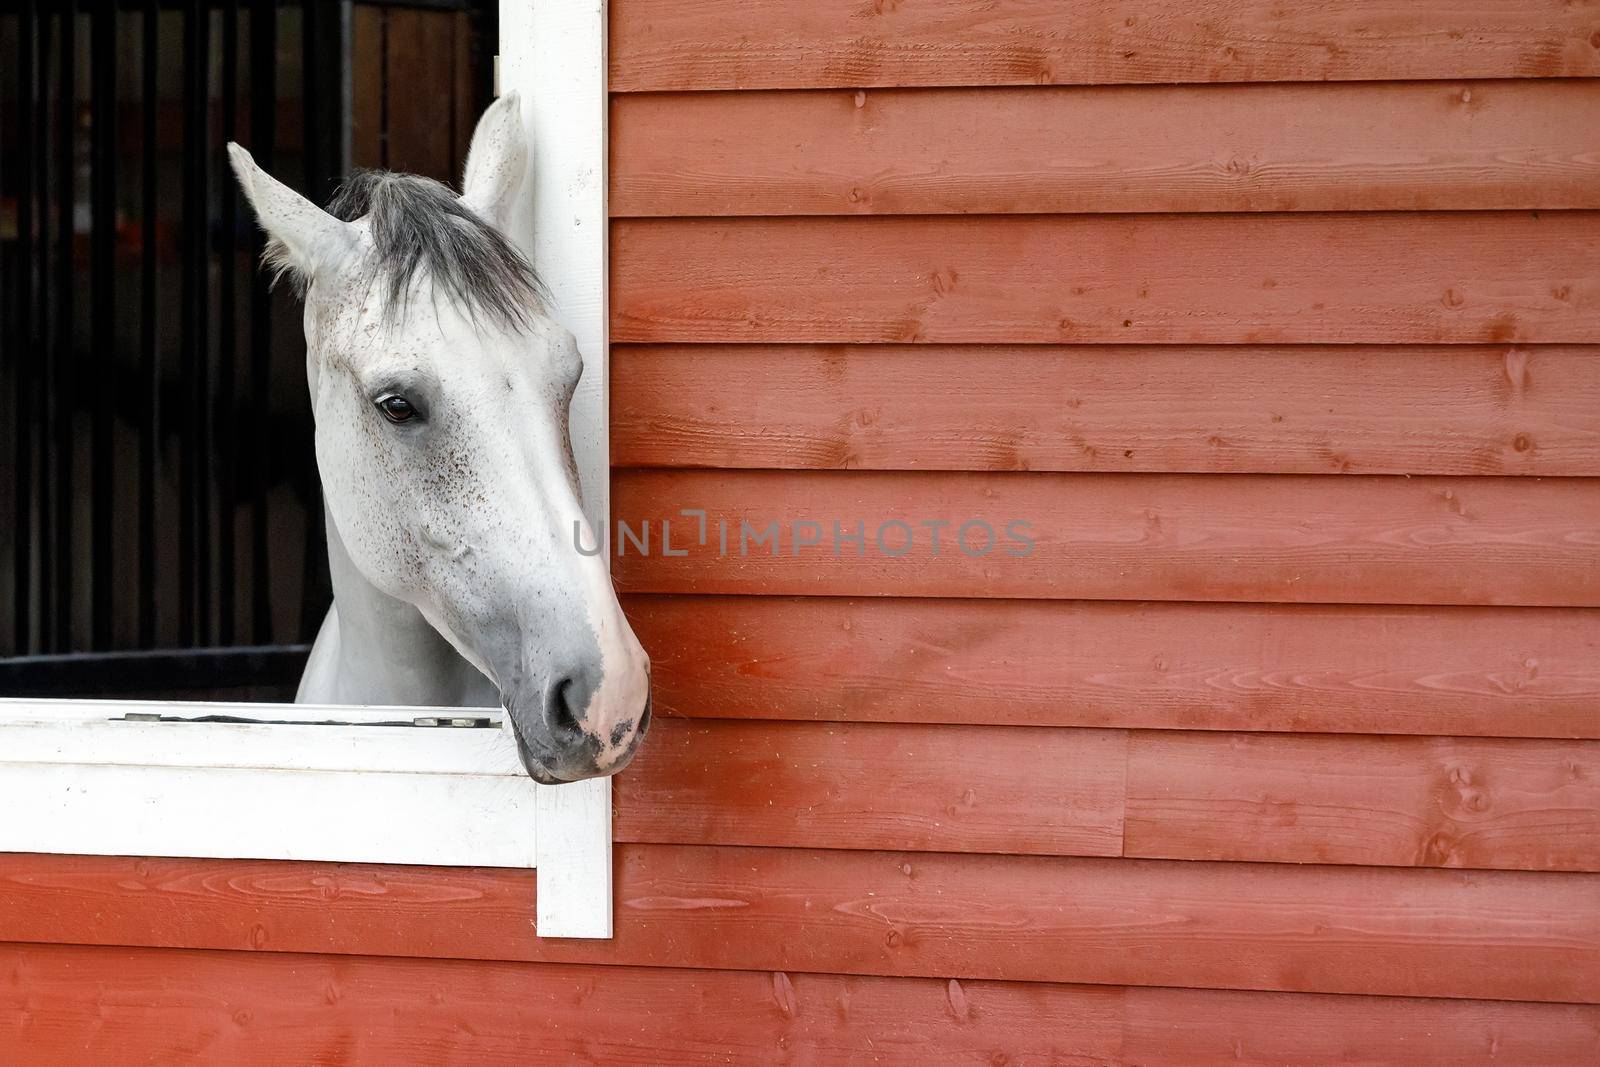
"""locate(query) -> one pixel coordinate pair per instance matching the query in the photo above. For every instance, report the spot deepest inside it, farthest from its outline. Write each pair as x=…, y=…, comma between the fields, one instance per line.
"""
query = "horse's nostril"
x=564, y=708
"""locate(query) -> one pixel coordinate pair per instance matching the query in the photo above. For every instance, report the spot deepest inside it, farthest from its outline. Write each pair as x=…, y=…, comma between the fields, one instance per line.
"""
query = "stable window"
x=414, y=785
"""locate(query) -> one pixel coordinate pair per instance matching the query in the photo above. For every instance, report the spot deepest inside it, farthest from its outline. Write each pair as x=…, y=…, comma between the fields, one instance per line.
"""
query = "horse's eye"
x=397, y=409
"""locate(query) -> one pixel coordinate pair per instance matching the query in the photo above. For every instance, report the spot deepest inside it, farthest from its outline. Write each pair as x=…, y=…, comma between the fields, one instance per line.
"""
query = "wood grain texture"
x=1343, y=669
x=70, y=1003
x=1392, y=931
x=1279, y=538
x=1137, y=279
x=1347, y=147
x=1400, y=801
x=420, y=54
x=866, y=785
x=1379, y=409
x=1176, y=1027
x=367, y=133
x=1384, y=801
x=734, y=44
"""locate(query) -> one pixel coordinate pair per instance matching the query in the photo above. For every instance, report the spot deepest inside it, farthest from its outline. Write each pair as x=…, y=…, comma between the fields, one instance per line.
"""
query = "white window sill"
x=76, y=776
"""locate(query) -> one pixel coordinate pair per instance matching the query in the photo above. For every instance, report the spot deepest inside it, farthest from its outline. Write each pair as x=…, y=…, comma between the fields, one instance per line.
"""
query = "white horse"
x=440, y=388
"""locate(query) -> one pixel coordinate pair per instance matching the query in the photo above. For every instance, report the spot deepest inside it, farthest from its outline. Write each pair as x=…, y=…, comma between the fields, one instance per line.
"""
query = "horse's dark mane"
x=420, y=227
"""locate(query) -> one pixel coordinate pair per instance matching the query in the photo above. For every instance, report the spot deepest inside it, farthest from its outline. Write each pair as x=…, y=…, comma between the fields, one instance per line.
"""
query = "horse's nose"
x=571, y=737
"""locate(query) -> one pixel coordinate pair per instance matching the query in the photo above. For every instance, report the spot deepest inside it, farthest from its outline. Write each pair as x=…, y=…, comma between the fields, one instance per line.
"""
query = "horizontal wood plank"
x=866, y=785
x=1460, y=934
x=1279, y=538
x=1137, y=279
x=734, y=44
x=1504, y=804
x=1187, y=1027
x=1348, y=669
x=1380, y=409
x=70, y=1003
x=1351, y=147
x=1400, y=801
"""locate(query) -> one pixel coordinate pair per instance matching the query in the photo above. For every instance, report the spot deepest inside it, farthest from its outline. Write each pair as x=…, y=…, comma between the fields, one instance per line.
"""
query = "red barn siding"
x=1287, y=409
x=1350, y=147
x=1277, y=667
x=757, y=44
x=72, y=1004
x=1395, y=931
x=1288, y=539
x=1167, y=279
x=1283, y=746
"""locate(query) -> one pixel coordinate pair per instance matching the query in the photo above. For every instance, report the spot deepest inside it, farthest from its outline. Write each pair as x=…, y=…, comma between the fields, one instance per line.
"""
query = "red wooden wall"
x=1281, y=324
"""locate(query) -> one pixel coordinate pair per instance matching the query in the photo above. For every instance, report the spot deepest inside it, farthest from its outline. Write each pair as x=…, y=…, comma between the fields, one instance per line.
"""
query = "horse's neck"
x=374, y=649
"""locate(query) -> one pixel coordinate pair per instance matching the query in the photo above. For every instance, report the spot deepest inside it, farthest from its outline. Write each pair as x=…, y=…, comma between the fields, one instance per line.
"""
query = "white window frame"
x=80, y=776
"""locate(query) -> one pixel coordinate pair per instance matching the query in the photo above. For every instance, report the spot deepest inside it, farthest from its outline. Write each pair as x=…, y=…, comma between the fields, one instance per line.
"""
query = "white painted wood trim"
x=94, y=731
x=76, y=777
x=454, y=820
x=553, y=52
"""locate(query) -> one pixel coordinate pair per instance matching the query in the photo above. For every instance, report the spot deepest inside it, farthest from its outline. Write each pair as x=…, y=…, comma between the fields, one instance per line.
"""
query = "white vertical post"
x=554, y=53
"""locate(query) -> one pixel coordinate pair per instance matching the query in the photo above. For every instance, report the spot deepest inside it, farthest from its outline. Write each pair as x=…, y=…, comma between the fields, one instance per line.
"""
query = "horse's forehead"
x=354, y=321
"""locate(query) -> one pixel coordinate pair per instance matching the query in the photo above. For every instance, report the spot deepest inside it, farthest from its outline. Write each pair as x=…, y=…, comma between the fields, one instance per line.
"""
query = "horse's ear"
x=496, y=161
x=302, y=238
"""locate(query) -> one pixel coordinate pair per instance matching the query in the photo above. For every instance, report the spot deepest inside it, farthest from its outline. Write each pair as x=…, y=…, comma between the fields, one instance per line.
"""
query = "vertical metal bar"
x=222, y=411
x=458, y=26
x=149, y=364
x=103, y=116
x=205, y=467
x=339, y=50
x=13, y=345
x=326, y=96
x=326, y=66
x=44, y=349
x=313, y=98
x=66, y=377
x=193, y=465
x=263, y=144
x=383, y=90
x=27, y=351
x=13, y=354
x=10, y=342
x=186, y=348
